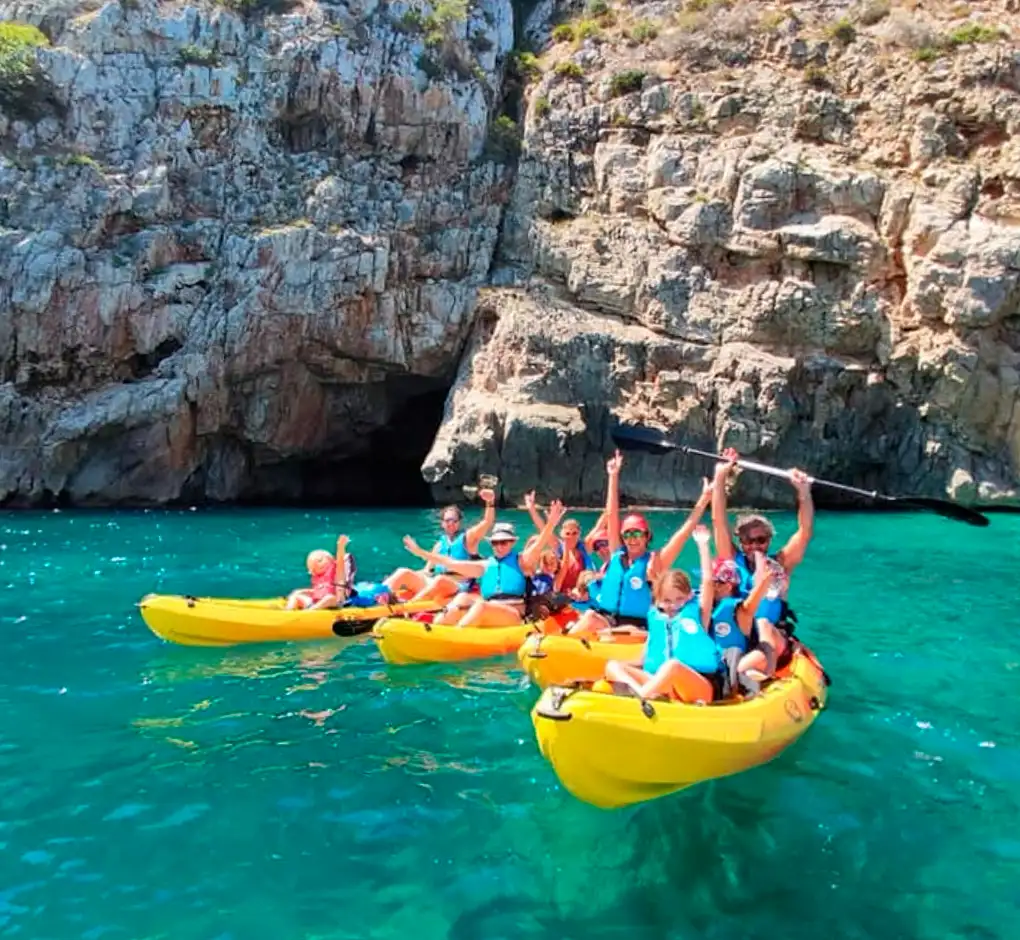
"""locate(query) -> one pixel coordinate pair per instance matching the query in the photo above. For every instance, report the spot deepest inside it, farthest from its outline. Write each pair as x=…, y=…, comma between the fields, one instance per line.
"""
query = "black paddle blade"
x=645, y=440
x=944, y=508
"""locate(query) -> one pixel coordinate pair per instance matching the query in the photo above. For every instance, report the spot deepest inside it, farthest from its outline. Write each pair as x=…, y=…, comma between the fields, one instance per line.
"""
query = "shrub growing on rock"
x=23, y=86
x=626, y=82
x=568, y=69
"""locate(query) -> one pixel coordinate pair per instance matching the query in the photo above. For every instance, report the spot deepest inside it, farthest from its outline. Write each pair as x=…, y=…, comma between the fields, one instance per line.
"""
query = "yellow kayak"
x=405, y=642
x=205, y=621
x=609, y=751
x=563, y=660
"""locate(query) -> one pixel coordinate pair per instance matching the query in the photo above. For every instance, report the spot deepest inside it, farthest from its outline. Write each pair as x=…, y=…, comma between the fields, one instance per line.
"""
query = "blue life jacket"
x=582, y=605
x=456, y=549
x=503, y=578
x=542, y=583
x=369, y=594
x=625, y=591
x=681, y=637
x=725, y=630
x=772, y=609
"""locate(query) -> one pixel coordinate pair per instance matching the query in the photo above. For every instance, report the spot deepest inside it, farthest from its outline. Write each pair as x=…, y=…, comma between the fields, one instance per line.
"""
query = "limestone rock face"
x=238, y=238
x=748, y=232
x=232, y=243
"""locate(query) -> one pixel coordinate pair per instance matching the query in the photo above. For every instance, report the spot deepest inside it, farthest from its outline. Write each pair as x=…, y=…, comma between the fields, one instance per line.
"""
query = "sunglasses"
x=635, y=534
x=502, y=541
x=599, y=545
x=755, y=539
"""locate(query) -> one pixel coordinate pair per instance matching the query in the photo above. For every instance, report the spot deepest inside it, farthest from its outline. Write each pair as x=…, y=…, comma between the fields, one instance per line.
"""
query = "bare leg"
x=456, y=609
x=491, y=614
x=634, y=677
x=589, y=624
x=405, y=583
x=679, y=682
x=440, y=588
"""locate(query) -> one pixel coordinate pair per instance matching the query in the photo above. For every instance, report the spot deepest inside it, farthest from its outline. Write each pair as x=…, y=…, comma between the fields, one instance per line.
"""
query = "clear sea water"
x=150, y=791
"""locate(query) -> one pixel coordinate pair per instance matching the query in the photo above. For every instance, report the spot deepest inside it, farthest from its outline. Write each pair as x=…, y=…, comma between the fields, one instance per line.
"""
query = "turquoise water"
x=312, y=792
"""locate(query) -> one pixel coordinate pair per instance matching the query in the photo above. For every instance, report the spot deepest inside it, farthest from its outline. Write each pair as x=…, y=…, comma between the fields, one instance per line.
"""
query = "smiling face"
x=570, y=532
x=635, y=541
x=672, y=591
x=450, y=519
x=502, y=547
x=754, y=534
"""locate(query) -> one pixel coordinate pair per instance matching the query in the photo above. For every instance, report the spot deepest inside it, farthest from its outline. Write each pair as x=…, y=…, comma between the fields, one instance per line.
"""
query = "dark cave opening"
x=387, y=472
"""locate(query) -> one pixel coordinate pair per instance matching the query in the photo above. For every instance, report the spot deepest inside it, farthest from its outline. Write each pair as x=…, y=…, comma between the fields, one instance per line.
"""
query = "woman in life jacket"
x=571, y=551
x=682, y=661
x=433, y=582
x=625, y=594
x=504, y=579
x=755, y=534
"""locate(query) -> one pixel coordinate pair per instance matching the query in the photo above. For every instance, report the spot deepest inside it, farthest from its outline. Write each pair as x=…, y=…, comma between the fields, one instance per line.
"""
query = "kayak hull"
x=563, y=660
x=607, y=752
x=404, y=642
x=205, y=621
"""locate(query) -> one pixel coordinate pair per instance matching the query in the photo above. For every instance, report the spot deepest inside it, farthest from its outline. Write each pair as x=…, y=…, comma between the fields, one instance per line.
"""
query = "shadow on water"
x=716, y=862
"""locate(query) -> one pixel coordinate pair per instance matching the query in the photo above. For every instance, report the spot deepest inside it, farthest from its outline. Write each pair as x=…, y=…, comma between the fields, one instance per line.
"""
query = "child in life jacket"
x=682, y=661
x=739, y=626
x=327, y=590
x=544, y=580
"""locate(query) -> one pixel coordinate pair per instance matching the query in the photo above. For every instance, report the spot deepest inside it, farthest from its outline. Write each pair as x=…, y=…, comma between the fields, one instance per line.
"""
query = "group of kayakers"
x=728, y=634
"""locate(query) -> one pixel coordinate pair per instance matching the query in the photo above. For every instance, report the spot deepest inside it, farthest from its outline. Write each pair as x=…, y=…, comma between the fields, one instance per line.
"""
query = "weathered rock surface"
x=236, y=243
x=819, y=276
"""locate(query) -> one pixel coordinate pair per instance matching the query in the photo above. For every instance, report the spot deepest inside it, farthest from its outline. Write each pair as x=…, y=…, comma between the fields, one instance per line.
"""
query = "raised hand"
x=801, y=481
x=487, y=496
x=529, y=500
x=412, y=546
x=701, y=535
x=726, y=466
x=614, y=464
x=556, y=511
x=341, y=543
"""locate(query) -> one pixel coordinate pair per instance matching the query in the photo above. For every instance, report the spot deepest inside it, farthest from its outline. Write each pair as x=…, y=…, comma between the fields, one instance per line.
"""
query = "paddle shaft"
x=785, y=474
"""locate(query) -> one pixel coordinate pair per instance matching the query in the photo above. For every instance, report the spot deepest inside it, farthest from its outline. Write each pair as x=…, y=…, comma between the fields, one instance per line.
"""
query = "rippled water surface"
x=312, y=792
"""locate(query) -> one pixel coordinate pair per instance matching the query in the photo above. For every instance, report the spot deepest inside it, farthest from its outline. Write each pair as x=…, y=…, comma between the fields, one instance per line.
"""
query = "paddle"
x=650, y=441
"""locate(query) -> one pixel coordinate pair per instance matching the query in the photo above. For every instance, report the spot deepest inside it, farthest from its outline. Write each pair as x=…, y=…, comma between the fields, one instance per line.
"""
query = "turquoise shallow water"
x=312, y=792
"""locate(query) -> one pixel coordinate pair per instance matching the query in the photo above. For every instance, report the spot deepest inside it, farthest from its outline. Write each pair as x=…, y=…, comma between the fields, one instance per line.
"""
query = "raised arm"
x=792, y=553
x=613, y=467
x=594, y=532
x=666, y=558
x=531, y=555
x=707, y=596
x=467, y=569
x=762, y=581
x=340, y=583
x=473, y=537
x=720, y=524
x=536, y=514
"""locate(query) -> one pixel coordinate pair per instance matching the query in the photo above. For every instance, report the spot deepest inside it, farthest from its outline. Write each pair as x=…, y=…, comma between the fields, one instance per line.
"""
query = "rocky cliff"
x=238, y=241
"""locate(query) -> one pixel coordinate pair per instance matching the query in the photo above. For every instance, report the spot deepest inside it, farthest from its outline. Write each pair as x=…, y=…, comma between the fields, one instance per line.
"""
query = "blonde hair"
x=549, y=557
x=318, y=560
x=751, y=520
x=675, y=579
